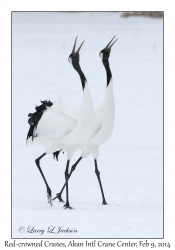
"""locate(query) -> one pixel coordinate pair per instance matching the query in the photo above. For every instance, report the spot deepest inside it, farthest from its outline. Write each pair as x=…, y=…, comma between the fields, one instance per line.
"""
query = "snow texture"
x=130, y=162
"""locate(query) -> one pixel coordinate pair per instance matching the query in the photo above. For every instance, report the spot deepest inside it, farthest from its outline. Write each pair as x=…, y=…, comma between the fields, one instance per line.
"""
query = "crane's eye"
x=101, y=54
x=70, y=59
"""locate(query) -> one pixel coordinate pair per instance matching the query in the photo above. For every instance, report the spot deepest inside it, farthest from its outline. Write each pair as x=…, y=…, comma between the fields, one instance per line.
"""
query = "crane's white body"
x=64, y=127
x=103, y=124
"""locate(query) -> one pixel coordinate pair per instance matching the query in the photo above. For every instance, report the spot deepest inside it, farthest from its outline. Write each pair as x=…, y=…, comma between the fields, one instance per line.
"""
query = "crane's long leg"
x=99, y=180
x=58, y=196
x=49, y=193
x=67, y=190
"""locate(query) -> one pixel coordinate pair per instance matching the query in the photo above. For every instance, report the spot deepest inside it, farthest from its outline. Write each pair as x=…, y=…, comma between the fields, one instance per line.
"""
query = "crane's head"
x=105, y=53
x=74, y=56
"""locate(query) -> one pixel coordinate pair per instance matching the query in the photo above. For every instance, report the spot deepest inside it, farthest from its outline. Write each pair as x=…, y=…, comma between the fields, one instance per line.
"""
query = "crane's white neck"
x=108, y=100
x=87, y=99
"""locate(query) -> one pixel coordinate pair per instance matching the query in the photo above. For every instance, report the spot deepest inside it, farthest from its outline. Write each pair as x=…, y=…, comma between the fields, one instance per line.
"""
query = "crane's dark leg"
x=67, y=190
x=49, y=193
x=72, y=169
x=98, y=177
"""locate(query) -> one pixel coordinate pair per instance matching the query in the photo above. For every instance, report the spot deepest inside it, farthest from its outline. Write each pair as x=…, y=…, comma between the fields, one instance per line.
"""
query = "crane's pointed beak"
x=80, y=47
x=109, y=42
x=112, y=44
x=73, y=50
x=108, y=46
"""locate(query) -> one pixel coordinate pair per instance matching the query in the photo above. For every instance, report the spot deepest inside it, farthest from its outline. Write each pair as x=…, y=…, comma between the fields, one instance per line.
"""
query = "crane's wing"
x=97, y=122
x=61, y=107
x=55, y=124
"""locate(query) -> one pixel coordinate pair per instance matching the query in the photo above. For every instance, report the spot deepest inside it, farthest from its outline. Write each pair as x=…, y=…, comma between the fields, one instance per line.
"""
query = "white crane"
x=58, y=126
x=103, y=122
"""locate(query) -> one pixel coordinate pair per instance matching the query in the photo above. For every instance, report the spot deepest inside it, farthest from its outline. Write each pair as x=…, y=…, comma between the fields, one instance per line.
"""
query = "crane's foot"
x=104, y=202
x=49, y=197
x=58, y=196
x=67, y=206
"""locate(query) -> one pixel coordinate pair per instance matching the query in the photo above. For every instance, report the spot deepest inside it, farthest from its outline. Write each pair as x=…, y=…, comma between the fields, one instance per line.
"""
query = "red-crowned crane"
x=58, y=126
x=103, y=122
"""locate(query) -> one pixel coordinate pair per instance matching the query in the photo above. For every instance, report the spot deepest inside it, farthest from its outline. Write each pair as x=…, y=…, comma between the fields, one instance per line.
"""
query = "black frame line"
x=163, y=140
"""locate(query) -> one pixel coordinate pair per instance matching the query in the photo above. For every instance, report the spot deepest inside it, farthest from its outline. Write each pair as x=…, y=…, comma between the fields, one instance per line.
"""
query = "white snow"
x=130, y=163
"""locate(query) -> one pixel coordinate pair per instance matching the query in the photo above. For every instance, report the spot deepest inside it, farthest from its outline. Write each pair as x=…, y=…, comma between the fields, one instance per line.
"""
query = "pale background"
x=131, y=162
x=5, y=97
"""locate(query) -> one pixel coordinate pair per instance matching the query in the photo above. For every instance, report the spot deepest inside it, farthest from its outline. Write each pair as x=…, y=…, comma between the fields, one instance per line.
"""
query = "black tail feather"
x=55, y=154
x=36, y=116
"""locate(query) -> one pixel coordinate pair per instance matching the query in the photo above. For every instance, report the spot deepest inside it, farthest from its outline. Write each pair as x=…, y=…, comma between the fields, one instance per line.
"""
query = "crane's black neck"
x=108, y=70
x=81, y=74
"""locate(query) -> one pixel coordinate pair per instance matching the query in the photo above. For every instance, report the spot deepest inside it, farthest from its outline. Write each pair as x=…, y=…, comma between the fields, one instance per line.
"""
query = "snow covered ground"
x=131, y=162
